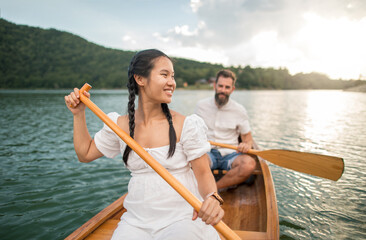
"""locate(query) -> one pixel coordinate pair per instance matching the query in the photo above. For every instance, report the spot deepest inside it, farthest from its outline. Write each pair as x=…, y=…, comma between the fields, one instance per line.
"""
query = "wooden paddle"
x=314, y=164
x=165, y=174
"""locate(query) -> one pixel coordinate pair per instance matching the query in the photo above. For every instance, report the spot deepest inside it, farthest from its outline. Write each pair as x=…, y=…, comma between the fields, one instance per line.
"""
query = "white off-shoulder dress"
x=154, y=209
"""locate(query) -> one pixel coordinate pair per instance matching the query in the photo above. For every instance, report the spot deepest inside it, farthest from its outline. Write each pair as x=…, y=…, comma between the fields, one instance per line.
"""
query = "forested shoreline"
x=32, y=57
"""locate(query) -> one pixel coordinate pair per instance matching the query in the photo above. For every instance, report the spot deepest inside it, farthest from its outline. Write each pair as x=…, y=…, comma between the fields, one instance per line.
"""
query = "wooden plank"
x=99, y=236
x=252, y=210
x=104, y=231
x=243, y=205
x=107, y=227
x=256, y=171
x=252, y=235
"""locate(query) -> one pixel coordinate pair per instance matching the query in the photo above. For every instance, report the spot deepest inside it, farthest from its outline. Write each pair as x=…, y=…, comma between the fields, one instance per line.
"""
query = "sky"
x=326, y=36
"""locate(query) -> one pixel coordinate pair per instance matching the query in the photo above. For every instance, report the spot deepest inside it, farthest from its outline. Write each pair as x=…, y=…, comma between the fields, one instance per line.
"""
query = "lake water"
x=45, y=193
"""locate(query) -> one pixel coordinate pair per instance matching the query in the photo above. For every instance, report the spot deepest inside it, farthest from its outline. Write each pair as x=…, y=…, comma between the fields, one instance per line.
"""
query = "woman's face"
x=161, y=84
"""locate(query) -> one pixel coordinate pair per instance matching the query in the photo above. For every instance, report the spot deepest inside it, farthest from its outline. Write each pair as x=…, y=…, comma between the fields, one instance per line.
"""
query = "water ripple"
x=46, y=193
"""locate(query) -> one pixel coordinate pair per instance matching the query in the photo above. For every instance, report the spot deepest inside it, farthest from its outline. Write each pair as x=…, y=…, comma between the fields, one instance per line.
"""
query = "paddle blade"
x=314, y=164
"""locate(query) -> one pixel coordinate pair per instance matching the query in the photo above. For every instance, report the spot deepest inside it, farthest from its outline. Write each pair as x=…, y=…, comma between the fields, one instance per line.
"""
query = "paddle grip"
x=86, y=87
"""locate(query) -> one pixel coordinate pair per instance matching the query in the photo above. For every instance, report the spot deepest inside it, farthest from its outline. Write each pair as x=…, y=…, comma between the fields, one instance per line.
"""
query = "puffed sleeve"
x=107, y=141
x=194, y=138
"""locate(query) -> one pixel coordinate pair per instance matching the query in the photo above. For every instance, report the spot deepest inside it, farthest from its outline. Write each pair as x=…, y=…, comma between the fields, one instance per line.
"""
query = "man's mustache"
x=224, y=94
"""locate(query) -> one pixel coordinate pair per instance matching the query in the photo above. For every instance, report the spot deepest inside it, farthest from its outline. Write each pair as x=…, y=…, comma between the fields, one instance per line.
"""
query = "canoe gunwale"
x=92, y=224
x=273, y=230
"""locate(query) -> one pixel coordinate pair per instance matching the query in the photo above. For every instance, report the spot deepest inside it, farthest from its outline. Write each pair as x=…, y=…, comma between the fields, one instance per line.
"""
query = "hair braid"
x=131, y=114
x=172, y=134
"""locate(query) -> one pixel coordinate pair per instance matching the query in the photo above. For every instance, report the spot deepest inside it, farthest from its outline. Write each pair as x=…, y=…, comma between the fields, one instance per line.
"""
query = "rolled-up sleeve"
x=243, y=122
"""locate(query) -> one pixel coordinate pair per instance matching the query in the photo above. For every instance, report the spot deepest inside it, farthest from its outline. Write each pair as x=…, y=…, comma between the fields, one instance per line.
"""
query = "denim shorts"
x=221, y=162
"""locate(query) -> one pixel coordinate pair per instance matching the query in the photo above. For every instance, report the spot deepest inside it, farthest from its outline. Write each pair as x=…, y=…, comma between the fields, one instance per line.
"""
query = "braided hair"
x=142, y=64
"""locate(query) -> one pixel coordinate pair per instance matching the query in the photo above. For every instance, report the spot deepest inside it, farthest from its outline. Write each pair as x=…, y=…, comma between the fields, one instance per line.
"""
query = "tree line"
x=32, y=57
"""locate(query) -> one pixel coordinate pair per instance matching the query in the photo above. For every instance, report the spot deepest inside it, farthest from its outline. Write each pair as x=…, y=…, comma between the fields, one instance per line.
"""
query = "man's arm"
x=246, y=142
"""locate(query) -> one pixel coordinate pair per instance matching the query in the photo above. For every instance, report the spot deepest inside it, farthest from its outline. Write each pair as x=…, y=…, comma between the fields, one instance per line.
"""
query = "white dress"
x=154, y=209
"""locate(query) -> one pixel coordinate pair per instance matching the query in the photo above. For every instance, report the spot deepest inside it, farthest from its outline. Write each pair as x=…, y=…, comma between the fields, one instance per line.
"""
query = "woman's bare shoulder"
x=178, y=117
x=178, y=121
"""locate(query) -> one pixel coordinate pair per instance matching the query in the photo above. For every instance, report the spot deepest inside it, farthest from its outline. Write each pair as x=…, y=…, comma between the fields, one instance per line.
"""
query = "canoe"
x=250, y=210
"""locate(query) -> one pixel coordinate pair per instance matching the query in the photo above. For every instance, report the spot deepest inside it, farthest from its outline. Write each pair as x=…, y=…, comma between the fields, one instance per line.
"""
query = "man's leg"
x=241, y=169
x=212, y=158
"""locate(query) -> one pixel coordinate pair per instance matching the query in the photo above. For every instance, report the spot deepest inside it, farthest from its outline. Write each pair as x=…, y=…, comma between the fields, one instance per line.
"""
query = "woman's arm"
x=85, y=147
x=210, y=212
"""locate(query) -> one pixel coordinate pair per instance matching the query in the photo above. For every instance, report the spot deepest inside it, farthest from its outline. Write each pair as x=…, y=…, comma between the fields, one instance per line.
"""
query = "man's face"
x=223, y=88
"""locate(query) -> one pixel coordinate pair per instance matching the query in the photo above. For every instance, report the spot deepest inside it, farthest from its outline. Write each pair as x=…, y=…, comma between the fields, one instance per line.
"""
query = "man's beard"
x=221, y=101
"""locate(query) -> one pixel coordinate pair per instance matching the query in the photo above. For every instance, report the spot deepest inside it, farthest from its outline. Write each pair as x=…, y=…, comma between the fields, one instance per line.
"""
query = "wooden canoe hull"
x=250, y=210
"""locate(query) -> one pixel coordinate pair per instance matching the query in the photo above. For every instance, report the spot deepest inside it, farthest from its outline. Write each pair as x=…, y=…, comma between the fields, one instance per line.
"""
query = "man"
x=226, y=121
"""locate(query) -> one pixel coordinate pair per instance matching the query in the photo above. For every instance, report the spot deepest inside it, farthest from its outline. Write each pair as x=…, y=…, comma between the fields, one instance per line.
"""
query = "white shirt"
x=224, y=124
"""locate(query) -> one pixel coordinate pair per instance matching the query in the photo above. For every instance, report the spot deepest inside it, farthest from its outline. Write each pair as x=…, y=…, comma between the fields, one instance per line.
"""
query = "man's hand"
x=244, y=147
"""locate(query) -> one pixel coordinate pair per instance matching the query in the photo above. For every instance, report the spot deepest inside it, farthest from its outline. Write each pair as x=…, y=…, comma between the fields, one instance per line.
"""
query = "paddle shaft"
x=224, y=145
x=314, y=164
x=165, y=174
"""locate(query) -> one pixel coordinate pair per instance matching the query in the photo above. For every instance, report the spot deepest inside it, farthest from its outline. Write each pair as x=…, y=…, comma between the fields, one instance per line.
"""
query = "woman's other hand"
x=210, y=212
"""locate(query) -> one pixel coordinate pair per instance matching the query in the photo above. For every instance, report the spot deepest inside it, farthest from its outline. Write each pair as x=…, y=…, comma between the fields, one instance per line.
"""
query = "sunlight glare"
x=323, y=113
x=337, y=45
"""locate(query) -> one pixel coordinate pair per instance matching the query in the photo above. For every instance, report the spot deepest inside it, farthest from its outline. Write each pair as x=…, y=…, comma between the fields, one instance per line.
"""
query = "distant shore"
x=360, y=88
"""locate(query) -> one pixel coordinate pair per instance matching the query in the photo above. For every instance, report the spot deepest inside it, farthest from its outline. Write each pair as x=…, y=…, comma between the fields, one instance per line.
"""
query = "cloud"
x=300, y=35
x=303, y=35
x=195, y=5
x=232, y=22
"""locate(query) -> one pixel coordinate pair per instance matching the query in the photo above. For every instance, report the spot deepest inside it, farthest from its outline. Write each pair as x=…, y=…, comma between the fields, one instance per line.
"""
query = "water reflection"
x=326, y=122
x=324, y=111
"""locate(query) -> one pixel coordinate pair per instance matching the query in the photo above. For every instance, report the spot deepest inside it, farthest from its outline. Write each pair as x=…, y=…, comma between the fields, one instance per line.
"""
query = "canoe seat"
x=223, y=172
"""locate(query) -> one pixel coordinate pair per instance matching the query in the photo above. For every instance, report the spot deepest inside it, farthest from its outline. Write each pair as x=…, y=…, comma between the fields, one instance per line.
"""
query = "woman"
x=154, y=209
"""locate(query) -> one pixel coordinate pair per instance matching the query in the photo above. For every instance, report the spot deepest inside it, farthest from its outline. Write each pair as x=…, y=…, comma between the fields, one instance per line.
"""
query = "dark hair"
x=226, y=73
x=142, y=64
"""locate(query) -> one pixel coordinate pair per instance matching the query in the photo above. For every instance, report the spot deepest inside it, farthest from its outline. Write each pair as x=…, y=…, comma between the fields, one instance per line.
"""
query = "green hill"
x=32, y=57
x=37, y=58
